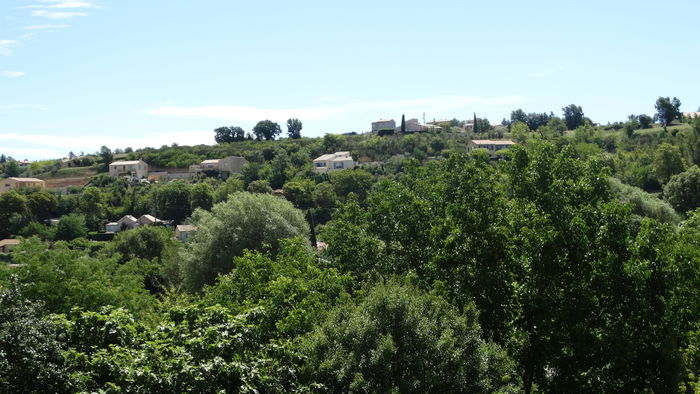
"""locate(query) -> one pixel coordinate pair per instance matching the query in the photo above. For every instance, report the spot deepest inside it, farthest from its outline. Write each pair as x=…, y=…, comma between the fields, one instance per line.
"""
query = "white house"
x=137, y=168
x=333, y=161
x=128, y=222
x=493, y=146
x=112, y=227
x=383, y=124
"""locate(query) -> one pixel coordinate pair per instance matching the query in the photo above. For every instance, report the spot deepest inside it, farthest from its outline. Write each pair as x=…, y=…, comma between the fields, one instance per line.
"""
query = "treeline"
x=455, y=275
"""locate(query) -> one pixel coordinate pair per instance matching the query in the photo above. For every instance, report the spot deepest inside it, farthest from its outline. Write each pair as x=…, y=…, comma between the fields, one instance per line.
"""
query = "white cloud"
x=13, y=74
x=45, y=27
x=44, y=146
x=40, y=107
x=6, y=47
x=62, y=4
x=439, y=104
x=57, y=15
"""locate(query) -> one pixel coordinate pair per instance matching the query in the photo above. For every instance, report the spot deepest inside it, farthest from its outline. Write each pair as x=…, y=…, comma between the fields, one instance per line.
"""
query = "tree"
x=351, y=181
x=70, y=227
x=403, y=123
x=244, y=221
x=106, y=156
x=3, y=159
x=667, y=110
x=42, y=204
x=32, y=359
x=294, y=128
x=668, y=161
x=518, y=116
x=645, y=121
x=172, y=201
x=400, y=339
x=260, y=281
x=260, y=186
x=573, y=116
x=683, y=190
x=11, y=168
x=266, y=129
x=13, y=208
x=201, y=196
x=228, y=134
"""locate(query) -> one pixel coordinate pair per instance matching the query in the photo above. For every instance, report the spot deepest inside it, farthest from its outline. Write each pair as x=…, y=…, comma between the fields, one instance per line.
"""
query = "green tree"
x=351, y=181
x=230, y=186
x=292, y=289
x=294, y=128
x=645, y=121
x=228, y=134
x=299, y=193
x=668, y=161
x=244, y=221
x=42, y=204
x=668, y=110
x=201, y=196
x=64, y=278
x=70, y=227
x=13, y=209
x=683, y=190
x=32, y=359
x=106, y=156
x=400, y=339
x=573, y=116
x=260, y=186
x=11, y=168
x=172, y=201
x=267, y=130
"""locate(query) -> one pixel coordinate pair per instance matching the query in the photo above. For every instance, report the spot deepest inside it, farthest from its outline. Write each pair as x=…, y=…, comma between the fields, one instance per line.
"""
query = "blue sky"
x=78, y=74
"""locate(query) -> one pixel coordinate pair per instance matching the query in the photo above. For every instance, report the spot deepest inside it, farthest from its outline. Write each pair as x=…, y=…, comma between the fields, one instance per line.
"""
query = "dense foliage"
x=569, y=264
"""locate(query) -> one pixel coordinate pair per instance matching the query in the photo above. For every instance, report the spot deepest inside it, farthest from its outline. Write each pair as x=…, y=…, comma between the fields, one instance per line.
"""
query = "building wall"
x=9, y=183
x=232, y=164
x=385, y=124
x=140, y=169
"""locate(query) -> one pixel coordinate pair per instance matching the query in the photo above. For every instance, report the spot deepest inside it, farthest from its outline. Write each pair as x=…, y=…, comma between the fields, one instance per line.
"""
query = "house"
x=493, y=146
x=137, y=168
x=183, y=232
x=383, y=124
x=691, y=115
x=6, y=245
x=147, y=220
x=333, y=161
x=127, y=222
x=224, y=166
x=19, y=183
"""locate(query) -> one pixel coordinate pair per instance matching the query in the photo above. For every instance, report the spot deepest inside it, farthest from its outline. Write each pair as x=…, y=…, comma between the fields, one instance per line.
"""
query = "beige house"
x=129, y=222
x=692, y=115
x=333, y=161
x=492, y=146
x=383, y=124
x=183, y=232
x=6, y=245
x=225, y=166
x=19, y=183
x=147, y=220
x=137, y=168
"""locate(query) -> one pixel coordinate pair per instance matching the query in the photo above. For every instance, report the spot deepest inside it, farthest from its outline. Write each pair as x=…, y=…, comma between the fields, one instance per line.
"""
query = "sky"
x=79, y=74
